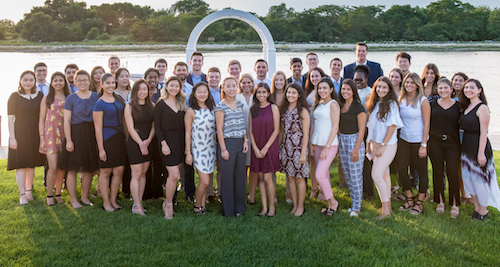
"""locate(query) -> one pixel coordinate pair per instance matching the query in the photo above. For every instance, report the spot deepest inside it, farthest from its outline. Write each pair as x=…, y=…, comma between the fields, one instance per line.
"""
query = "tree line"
x=68, y=20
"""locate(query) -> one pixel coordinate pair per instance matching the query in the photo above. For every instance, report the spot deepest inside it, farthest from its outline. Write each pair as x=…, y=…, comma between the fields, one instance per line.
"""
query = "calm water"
x=480, y=65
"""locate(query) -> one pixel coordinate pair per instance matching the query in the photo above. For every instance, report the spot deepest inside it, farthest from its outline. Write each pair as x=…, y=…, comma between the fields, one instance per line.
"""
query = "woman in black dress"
x=169, y=128
x=23, y=109
x=139, y=120
x=478, y=166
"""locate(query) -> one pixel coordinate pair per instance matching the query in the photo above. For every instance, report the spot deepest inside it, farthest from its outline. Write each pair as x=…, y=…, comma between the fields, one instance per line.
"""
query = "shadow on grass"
x=37, y=235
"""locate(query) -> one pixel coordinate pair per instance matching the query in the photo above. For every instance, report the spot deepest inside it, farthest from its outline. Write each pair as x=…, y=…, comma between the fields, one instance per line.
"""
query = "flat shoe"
x=440, y=208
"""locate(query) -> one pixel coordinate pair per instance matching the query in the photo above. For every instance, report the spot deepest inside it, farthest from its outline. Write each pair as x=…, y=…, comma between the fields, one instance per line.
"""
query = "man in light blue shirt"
x=336, y=68
x=196, y=75
x=41, y=77
x=181, y=72
x=214, y=84
x=261, y=70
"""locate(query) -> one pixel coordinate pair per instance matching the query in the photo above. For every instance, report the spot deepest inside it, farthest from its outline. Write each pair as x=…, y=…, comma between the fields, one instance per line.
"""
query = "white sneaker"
x=349, y=210
x=289, y=201
x=353, y=214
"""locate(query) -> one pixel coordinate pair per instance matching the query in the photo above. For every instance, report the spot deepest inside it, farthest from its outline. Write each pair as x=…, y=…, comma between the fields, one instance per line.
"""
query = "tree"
x=186, y=6
x=6, y=26
x=361, y=23
x=493, y=28
x=93, y=34
x=38, y=27
x=396, y=21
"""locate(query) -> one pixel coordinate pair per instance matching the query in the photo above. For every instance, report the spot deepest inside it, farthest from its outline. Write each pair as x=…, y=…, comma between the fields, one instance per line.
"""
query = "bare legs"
x=108, y=200
x=137, y=185
x=312, y=176
x=266, y=188
x=55, y=176
x=24, y=179
x=170, y=187
x=253, y=180
x=201, y=190
x=482, y=210
x=298, y=193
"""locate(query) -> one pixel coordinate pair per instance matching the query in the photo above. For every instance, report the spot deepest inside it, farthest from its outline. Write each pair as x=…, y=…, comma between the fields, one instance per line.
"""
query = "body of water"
x=479, y=65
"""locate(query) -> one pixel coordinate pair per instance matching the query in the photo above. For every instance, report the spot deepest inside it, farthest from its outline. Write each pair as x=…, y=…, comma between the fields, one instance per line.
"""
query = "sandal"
x=198, y=210
x=50, y=204
x=419, y=205
x=383, y=216
x=314, y=193
x=407, y=205
x=400, y=197
x=454, y=212
x=59, y=199
x=29, y=195
x=427, y=195
x=440, y=208
x=328, y=211
x=22, y=199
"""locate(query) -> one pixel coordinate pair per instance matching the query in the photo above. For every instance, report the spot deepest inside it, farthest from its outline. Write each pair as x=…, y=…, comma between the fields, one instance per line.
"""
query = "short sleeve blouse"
x=412, y=118
x=349, y=119
x=377, y=129
x=112, y=117
x=81, y=109
x=234, y=123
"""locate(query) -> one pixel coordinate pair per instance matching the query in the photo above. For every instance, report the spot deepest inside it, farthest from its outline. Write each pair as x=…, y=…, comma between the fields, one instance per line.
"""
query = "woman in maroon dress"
x=264, y=124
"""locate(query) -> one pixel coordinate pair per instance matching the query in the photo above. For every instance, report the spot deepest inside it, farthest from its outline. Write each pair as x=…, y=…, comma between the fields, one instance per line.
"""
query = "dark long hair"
x=463, y=75
x=355, y=95
x=301, y=101
x=433, y=67
x=94, y=86
x=134, y=101
x=317, y=99
x=52, y=92
x=193, y=102
x=115, y=95
x=20, y=88
x=117, y=74
x=465, y=102
x=254, y=109
x=385, y=104
x=308, y=87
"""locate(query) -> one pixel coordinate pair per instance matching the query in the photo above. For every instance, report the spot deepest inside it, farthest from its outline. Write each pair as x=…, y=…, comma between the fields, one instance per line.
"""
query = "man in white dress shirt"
x=162, y=67
x=261, y=70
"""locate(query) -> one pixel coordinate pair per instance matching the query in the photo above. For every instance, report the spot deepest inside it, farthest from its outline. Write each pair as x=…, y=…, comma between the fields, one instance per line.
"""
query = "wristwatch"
x=424, y=145
x=383, y=144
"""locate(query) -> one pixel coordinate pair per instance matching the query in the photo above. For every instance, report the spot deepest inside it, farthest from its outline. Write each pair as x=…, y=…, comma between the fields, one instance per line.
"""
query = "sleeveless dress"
x=480, y=181
x=169, y=126
x=54, y=126
x=26, y=109
x=203, y=145
x=291, y=146
x=142, y=125
x=262, y=129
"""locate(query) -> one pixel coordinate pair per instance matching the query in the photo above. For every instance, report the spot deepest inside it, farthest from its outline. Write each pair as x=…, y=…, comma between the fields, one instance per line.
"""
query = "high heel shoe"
x=29, y=195
x=59, y=199
x=51, y=202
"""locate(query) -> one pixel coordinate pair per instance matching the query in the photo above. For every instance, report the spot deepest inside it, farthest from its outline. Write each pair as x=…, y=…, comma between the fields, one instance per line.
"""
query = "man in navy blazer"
x=361, y=50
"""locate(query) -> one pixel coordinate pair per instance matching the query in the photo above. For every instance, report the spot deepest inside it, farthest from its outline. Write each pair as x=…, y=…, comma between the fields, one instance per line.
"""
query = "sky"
x=14, y=10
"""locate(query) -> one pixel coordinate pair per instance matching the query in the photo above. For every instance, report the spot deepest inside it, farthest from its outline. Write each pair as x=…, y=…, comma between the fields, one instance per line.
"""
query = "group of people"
x=147, y=135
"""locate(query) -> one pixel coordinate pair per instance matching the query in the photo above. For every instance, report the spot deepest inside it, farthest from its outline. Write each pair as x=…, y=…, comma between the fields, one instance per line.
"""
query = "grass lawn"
x=37, y=235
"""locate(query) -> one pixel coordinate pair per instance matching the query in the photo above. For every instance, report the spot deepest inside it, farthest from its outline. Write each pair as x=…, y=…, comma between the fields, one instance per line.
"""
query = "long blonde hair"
x=180, y=98
x=419, y=92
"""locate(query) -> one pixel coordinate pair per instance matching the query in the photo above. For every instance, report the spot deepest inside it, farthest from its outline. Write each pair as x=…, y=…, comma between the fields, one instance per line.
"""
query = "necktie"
x=40, y=88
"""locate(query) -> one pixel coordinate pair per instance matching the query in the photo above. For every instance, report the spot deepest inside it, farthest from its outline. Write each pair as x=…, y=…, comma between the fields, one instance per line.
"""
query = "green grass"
x=37, y=235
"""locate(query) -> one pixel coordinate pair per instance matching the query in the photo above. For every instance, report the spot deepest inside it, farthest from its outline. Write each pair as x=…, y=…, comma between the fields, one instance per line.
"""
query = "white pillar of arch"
x=265, y=35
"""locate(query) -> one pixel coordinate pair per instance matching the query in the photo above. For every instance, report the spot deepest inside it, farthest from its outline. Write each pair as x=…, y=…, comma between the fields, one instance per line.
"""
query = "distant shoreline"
x=294, y=47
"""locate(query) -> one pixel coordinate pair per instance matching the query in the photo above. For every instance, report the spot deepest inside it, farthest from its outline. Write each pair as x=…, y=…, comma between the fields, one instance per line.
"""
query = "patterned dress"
x=54, y=126
x=291, y=145
x=203, y=144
